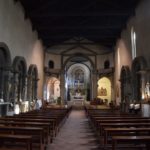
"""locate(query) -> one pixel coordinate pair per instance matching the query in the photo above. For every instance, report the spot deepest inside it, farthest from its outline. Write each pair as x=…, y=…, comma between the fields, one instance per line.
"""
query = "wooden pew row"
x=37, y=134
x=121, y=125
x=26, y=139
x=60, y=116
x=45, y=126
x=119, y=120
x=51, y=122
x=130, y=139
x=97, y=123
x=109, y=132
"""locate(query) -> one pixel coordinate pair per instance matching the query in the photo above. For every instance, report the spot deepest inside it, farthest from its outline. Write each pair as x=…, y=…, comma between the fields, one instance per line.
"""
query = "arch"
x=53, y=89
x=5, y=69
x=20, y=72
x=51, y=64
x=33, y=70
x=78, y=81
x=138, y=64
x=6, y=52
x=126, y=87
x=32, y=83
x=19, y=61
x=106, y=64
x=104, y=89
x=78, y=55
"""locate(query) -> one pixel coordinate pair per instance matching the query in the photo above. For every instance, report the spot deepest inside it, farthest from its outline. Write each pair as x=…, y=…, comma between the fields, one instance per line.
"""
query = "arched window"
x=51, y=64
x=106, y=64
x=133, y=42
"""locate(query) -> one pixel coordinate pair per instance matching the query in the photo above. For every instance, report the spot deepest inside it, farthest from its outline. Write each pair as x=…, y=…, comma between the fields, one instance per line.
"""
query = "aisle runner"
x=75, y=134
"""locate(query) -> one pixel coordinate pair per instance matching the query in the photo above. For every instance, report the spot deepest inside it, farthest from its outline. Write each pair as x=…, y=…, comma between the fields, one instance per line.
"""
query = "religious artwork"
x=103, y=92
x=79, y=76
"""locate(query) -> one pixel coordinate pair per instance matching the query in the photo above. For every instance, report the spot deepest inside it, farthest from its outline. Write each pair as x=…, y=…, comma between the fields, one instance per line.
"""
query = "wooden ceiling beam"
x=78, y=14
x=45, y=27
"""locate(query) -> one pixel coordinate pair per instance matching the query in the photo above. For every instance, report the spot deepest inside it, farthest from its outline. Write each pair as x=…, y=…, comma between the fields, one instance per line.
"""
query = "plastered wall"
x=16, y=32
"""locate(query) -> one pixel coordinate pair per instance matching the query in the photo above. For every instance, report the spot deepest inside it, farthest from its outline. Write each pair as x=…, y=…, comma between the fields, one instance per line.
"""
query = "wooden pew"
x=109, y=132
x=45, y=126
x=36, y=133
x=17, y=138
x=130, y=139
x=120, y=125
x=19, y=119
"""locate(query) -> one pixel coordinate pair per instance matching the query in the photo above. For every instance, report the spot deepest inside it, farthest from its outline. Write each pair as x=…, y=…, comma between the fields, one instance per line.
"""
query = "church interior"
x=74, y=74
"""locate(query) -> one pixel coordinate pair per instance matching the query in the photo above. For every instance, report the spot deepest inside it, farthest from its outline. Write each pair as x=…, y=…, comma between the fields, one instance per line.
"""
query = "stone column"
x=7, y=83
x=2, y=83
x=94, y=84
x=62, y=87
x=143, y=83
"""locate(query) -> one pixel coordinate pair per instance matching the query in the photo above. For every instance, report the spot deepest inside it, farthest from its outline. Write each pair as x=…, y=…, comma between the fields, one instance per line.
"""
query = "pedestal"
x=145, y=110
x=4, y=108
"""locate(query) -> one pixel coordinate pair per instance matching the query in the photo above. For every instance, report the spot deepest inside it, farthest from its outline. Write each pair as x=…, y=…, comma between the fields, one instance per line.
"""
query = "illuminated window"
x=133, y=42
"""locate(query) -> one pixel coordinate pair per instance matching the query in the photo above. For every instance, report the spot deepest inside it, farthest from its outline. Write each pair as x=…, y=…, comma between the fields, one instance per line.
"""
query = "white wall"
x=17, y=34
x=55, y=58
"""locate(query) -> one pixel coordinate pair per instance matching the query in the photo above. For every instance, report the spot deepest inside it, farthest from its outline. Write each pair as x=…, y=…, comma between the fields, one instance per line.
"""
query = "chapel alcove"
x=53, y=89
x=104, y=89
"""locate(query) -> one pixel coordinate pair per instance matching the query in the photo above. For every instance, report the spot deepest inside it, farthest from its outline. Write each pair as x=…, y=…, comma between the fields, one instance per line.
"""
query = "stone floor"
x=75, y=134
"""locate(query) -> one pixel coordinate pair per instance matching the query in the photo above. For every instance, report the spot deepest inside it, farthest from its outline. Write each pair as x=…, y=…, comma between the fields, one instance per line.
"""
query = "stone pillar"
x=15, y=84
x=62, y=87
x=2, y=83
x=7, y=84
x=143, y=83
x=25, y=89
x=94, y=84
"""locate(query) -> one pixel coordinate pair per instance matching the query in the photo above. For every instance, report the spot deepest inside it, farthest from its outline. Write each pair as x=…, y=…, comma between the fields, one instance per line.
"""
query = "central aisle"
x=75, y=134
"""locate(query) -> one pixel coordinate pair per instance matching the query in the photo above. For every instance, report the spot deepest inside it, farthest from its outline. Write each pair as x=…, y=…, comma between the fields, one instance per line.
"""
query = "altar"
x=78, y=100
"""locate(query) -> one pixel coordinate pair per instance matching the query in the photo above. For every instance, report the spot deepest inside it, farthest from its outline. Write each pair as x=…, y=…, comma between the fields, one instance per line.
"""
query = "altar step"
x=75, y=107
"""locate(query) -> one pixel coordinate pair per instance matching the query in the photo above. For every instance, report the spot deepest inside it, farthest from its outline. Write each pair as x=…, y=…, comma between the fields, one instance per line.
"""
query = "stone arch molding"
x=19, y=78
x=77, y=55
x=5, y=70
x=32, y=83
x=126, y=86
x=138, y=65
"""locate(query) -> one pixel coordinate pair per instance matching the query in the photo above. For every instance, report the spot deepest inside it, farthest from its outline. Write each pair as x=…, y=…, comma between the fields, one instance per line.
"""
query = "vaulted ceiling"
x=100, y=21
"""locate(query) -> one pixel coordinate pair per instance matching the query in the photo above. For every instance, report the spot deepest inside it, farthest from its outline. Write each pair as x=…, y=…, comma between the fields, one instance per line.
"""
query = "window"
x=51, y=64
x=106, y=64
x=133, y=42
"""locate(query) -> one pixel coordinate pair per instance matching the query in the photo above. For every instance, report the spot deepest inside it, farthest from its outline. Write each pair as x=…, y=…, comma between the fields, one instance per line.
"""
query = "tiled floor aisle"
x=75, y=134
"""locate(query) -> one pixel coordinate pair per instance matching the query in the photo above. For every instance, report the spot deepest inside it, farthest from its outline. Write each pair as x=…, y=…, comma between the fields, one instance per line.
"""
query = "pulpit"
x=4, y=108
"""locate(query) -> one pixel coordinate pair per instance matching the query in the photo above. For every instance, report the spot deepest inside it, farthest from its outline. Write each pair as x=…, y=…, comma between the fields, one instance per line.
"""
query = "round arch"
x=5, y=69
x=52, y=89
x=32, y=83
x=126, y=87
x=20, y=72
x=138, y=64
x=78, y=55
x=104, y=89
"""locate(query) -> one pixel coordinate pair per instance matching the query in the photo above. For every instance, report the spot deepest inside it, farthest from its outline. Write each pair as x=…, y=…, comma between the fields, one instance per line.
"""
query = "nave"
x=75, y=134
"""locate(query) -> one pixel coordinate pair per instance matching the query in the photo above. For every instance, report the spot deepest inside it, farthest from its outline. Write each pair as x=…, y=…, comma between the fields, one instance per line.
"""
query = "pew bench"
x=34, y=132
x=45, y=126
x=130, y=139
x=109, y=132
x=120, y=125
x=26, y=139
